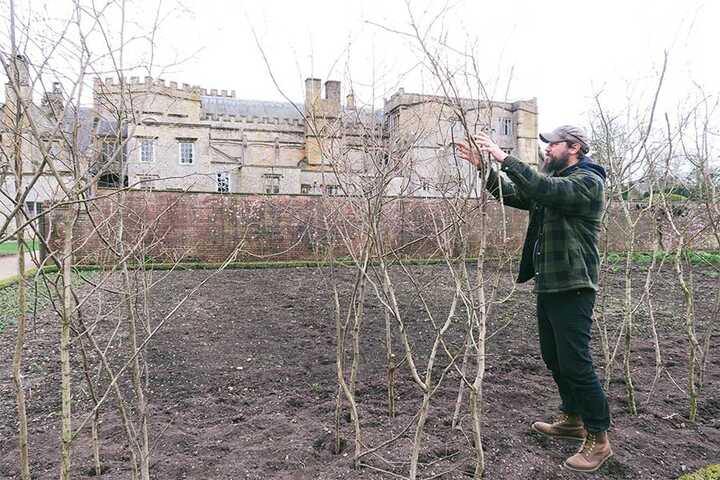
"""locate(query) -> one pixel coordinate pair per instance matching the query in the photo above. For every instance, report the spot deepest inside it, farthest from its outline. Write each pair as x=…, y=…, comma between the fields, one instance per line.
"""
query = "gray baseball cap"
x=568, y=133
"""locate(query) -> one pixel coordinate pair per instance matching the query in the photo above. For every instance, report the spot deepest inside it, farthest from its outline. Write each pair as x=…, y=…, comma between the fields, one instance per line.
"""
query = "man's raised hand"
x=470, y=151
x=486, y=144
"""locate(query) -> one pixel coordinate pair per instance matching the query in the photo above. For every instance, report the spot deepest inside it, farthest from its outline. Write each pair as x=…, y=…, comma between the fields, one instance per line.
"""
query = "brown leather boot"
x=568, y=426
x=594, y=452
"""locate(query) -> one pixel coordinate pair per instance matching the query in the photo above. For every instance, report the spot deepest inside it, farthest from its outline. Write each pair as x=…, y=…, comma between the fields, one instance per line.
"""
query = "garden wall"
x=170, y=226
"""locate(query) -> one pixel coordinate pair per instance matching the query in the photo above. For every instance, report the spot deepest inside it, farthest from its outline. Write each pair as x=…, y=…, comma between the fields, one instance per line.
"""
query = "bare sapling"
x=15, y=118
x=625, y=152
x=647, y=292
x=700, y=149
x=476, y=297
x=687, y=229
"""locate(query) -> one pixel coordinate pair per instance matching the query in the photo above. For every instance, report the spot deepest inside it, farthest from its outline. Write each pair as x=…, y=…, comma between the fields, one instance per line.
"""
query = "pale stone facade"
x=25, y=126
x=274, y=147
x=236, y=145
x=432, y=126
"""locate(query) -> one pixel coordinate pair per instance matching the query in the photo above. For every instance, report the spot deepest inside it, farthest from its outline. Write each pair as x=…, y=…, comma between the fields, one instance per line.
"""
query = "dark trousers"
x=565, y=325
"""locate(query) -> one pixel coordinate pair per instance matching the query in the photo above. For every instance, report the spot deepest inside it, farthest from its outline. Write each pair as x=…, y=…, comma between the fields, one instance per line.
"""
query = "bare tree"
x=624, y=152
x=16, y=123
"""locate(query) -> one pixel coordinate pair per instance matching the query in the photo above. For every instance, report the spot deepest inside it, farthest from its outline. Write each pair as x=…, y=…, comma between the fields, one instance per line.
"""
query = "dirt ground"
x=243, y=385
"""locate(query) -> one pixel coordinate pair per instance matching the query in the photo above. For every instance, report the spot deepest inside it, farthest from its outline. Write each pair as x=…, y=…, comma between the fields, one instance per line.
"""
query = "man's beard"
x=555, y=164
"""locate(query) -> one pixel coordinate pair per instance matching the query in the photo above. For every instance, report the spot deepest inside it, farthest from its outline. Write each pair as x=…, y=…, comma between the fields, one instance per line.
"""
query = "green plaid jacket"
x=560, y=249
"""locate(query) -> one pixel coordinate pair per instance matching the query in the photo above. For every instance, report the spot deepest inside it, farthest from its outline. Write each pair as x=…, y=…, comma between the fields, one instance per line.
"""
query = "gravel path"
x=9, y=266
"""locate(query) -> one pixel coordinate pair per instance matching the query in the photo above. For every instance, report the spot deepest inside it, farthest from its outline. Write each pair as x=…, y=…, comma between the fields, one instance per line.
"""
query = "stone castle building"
x=153, y=134
x=32, y=133
x=183, y=137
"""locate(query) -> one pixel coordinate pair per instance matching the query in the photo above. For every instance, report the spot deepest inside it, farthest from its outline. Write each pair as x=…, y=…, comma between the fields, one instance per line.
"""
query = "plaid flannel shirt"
x=560, y=248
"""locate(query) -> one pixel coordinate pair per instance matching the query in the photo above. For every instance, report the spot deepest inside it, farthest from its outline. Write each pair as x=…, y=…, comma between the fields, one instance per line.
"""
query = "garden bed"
x=243, y=386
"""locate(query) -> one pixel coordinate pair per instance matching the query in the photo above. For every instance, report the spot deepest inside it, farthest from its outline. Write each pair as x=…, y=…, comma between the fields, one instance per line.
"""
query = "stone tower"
x=323, y=126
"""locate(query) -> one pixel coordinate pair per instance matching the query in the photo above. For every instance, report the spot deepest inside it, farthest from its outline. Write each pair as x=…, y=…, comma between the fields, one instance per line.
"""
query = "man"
x=565, y=202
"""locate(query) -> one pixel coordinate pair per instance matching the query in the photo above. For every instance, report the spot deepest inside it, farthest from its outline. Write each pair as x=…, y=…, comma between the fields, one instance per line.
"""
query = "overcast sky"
x=562, y=52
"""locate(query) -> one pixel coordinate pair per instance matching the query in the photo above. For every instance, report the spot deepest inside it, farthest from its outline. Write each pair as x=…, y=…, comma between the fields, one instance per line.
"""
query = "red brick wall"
x=168, y=226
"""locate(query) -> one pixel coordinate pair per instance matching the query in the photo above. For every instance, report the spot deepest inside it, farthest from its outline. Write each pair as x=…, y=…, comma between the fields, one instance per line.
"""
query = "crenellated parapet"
x=150, y=85
x=402, y=99
x=242, y=121
x=529, y=106
x=217, y=93
x=220, y=117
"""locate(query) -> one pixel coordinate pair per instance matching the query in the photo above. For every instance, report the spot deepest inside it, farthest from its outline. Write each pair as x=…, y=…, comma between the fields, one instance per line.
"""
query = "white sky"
x=562, y=52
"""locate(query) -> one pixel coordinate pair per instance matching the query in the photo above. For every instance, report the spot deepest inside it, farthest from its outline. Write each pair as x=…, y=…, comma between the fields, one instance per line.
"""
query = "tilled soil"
x=242, y=384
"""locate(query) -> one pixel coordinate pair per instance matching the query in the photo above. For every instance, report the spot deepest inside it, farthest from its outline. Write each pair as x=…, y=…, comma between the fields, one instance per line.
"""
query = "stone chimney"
x=19, y=74
x=332, y=91
x=312, y=91
x=52, y=101
x=316, y=105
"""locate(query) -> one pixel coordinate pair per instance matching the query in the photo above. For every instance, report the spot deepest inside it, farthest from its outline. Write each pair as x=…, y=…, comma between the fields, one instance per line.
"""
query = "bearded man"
x=565, y=201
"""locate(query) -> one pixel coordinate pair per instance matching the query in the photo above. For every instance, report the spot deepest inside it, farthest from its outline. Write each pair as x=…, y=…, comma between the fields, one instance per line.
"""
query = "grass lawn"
x=10, y=247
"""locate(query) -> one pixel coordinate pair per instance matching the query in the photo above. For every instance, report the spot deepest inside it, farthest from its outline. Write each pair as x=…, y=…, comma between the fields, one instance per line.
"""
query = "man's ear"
x=575, y=149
